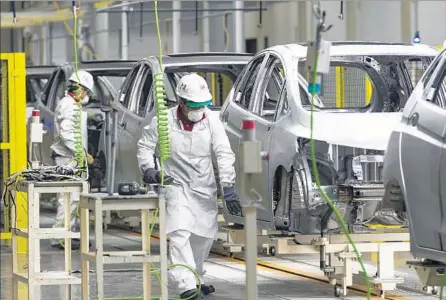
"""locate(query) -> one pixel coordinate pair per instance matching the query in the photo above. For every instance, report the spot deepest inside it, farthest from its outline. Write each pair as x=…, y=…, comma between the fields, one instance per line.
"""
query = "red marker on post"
x=248, y=127
x=35, y=116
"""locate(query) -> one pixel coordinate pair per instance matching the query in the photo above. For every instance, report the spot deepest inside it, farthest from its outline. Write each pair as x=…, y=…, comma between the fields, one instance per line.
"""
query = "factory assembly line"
x=226, y=175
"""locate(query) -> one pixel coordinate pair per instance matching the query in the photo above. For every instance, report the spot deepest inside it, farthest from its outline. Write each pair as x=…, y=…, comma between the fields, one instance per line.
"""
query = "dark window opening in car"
x=35, y=88
x=105, y=89
x=344, y=87
x=350, y=86
x=416, y=68
x=219, y=79
x=271, y=89
x=439, y=97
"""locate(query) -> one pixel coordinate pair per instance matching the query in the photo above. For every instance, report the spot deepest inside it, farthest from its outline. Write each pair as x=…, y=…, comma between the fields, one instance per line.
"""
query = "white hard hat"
x=194, y=88
x=83, y=78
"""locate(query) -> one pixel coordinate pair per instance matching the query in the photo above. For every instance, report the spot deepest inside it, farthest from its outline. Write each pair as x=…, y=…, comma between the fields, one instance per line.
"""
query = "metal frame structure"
x=101, y=202
x=337, y=253
x=32, y=274
x=13, y=143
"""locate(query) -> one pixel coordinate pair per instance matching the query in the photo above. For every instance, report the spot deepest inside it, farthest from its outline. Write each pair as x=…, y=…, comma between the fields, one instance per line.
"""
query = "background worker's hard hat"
x=83, y=78
x=194, y=88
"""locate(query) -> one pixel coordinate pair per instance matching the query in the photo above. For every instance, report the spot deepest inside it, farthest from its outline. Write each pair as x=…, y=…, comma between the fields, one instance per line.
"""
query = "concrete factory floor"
x=226, y=274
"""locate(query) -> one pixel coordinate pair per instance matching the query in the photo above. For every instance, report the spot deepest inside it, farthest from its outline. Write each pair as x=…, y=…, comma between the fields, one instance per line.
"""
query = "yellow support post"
x=227, y=86
x=368, y=90
x=14, y=129
x=14, y=151
x=340, y=87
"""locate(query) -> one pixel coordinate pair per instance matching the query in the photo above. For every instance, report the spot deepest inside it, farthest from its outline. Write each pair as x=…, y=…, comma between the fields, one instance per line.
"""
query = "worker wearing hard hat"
x=63, y=149
x=195, y=133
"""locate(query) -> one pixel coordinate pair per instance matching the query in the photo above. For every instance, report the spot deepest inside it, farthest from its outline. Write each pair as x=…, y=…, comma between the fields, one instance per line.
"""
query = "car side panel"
x=420, y=157
x=443, y=189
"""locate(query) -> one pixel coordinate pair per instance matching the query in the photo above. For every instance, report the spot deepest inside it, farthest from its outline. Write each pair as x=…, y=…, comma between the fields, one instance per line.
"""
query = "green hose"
x=324, y=195
x=164, y=150
x=78, y=142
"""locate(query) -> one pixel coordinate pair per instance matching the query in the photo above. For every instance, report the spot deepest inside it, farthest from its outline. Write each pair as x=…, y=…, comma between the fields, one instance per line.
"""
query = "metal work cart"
x=100, y=202
x=34, y=277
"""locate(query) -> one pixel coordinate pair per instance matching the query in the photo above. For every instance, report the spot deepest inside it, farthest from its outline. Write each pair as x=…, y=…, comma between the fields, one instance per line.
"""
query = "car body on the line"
x=271, y=91
x=135, y=102
x=359, y=68
x=415, y=165
x=108, y=76
x=36, y=79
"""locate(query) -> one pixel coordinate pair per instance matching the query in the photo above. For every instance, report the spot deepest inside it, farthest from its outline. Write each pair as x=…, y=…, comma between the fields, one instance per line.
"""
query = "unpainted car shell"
x=130, y=123
x=415, y=165
x=374, y=58
x=35, y=73
x=54, y=91
x=279, y=136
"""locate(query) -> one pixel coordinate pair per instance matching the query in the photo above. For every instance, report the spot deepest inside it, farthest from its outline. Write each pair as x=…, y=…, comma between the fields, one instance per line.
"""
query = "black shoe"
x=207, y=289
x=191, y=295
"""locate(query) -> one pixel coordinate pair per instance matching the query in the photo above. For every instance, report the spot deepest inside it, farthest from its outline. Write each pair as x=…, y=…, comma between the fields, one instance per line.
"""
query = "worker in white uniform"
x=63, y=149
x=195, y=133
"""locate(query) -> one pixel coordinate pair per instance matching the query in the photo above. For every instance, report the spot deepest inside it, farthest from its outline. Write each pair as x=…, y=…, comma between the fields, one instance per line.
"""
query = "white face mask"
x=85, y=100
x=195, y=115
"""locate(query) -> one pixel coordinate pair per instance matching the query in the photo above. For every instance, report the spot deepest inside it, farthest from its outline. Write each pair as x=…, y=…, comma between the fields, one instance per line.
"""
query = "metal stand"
x=103, y=202
x=428, y=275
x=34, y=277
x=339, y=254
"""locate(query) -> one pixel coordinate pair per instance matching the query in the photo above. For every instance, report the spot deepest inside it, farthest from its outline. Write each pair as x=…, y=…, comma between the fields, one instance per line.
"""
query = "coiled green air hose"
x=164, y=149
x=78, y=140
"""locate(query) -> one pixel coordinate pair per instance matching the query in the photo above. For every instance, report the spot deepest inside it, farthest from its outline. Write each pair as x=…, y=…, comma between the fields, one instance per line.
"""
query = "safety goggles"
x=194, y=105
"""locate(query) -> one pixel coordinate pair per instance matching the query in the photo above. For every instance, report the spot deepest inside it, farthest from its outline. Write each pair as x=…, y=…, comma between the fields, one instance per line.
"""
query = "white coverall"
x=64, y=148
x=191, y=201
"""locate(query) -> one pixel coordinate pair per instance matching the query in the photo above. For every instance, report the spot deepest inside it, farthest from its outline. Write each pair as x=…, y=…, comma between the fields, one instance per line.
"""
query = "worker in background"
x=191, y=200
x=63, y=149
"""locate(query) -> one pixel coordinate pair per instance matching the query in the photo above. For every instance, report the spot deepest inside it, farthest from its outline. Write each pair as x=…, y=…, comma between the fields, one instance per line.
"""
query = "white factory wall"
x=375, y=20
x=284, y=22
x=147, y=44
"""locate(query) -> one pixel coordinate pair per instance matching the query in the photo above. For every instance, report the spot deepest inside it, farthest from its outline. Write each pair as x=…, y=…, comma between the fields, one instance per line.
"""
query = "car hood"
x=359, y=130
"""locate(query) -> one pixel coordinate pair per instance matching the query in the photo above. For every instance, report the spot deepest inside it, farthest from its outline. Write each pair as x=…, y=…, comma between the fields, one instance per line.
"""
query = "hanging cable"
x=341, y=12
x=14, y=15
x=314, y=87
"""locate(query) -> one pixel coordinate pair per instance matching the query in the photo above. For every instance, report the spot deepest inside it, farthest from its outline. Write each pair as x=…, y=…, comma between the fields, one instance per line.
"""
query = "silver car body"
x=36, y=79
x=283, y=127
x=415, y=166
x=135, y=104
x=392, y=68
x=54, y=91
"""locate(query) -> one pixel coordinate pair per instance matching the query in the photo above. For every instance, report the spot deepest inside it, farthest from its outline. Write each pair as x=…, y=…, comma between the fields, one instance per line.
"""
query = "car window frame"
x=138, y=90
x=425, y=80
x=437, y=79
x=240, y=88
x=257, y=108
x=127, y=86
x=55, y=88
x=48, y=87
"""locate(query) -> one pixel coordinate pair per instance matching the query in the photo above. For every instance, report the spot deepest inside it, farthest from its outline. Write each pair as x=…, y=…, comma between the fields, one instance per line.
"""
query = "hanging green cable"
x=321, y=28
x=164, y=150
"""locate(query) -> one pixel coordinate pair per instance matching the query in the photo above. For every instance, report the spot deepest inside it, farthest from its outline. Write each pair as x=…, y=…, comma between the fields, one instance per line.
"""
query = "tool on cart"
x=131, y=188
